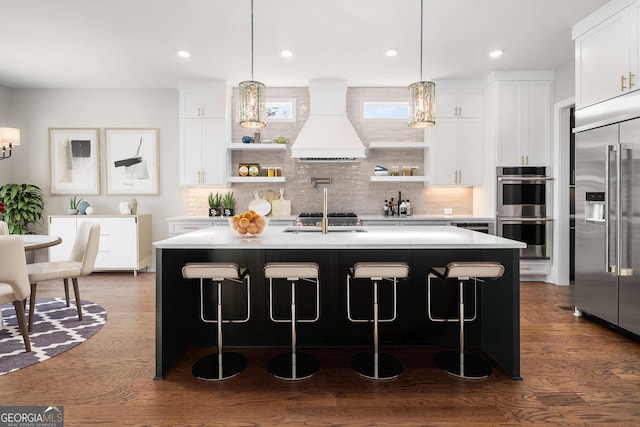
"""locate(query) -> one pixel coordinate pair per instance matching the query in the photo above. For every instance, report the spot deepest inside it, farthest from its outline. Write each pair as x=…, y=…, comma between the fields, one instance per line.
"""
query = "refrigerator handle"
x=607, y=255
x=624, y=269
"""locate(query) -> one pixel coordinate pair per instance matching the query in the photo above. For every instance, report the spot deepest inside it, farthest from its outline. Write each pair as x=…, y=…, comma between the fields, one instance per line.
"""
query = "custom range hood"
x=328, y=135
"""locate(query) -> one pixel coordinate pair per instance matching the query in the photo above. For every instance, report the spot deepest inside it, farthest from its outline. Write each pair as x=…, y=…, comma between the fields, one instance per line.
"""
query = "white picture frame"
x=74, y=161
x=132, y=161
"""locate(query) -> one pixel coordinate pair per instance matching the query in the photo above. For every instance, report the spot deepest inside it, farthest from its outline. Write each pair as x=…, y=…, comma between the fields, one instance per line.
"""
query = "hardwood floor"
x=576, y=372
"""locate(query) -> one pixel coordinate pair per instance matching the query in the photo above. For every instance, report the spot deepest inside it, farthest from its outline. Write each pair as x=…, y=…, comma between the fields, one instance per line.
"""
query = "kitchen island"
x=496, y=332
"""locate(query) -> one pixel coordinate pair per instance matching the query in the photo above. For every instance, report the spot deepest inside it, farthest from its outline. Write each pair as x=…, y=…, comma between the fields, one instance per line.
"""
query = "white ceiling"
x=133, y=43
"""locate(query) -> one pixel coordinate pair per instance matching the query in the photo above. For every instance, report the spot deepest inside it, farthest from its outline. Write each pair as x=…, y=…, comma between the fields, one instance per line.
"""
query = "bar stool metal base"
x=388, y=366
x=281, y=366
x=207, y=368
x=474, y=367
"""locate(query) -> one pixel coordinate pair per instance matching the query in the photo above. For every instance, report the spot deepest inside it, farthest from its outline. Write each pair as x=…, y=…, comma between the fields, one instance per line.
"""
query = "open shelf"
x=256, y=179
x=400, y=178
x=257, y=147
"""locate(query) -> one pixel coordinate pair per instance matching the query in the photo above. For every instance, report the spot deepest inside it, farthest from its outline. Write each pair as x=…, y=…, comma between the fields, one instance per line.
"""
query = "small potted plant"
x=215, y=204
x=228, y=203
x=73, y=205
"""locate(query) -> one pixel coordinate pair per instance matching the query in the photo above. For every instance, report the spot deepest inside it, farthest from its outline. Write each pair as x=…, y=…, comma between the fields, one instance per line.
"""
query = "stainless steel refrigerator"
x=607, y=205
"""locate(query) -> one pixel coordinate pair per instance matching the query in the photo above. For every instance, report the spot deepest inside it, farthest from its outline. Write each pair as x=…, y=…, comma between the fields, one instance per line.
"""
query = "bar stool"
x=458, y=363
x=293, y=365
x=223, y=365
x=374, y=364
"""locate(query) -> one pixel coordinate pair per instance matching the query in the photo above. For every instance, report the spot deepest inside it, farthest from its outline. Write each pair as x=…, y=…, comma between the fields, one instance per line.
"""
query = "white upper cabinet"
x=458, y=102
x=203, y=103
x=456, y=151
x=523, y=123
x=205, y=131
x=606, y=49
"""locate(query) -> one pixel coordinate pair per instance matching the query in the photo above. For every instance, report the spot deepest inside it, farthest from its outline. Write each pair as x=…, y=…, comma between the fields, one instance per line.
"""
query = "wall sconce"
x=9, y=137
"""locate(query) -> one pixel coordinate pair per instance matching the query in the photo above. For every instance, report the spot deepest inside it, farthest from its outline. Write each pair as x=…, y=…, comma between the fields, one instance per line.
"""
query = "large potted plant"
x=22, y=206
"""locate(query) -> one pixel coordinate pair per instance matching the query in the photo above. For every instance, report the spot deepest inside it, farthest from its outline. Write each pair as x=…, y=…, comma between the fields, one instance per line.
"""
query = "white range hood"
x=328, y=135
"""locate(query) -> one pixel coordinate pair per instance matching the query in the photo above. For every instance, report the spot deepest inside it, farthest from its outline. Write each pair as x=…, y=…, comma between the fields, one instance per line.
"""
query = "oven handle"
x=524, y=178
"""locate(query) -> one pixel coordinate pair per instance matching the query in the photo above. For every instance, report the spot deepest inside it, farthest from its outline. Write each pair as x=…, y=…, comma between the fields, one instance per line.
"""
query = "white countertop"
x=376, y=237
x=444, y=218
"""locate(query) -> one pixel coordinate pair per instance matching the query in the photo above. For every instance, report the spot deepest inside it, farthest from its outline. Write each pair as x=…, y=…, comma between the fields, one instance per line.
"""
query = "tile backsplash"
x=351, y=189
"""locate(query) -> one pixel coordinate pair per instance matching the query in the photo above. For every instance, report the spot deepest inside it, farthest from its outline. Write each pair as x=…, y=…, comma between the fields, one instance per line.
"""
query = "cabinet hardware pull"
x=622, y=80
x=526, y=159
x=631, y=76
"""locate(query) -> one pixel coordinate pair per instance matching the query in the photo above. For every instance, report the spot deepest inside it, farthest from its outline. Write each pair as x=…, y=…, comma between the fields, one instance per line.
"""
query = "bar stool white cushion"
x=455, y=270
x=286, y=270
x=368, y=270
x=212, y=270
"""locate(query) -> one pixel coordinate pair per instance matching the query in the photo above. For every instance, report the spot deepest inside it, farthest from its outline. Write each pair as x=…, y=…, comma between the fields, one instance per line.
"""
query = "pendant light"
x=422, y=93
x=252, y=102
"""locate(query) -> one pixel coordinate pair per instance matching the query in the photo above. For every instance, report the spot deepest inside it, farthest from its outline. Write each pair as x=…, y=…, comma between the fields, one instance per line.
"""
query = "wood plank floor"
x=576, y=372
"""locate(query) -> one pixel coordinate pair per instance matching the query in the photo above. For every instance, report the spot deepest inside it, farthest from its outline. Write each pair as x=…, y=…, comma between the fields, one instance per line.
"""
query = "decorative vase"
x=72, y=211
x=228, y=211
x=215, y=211
x=89, y=210
x=125, y=209
x=133, y=205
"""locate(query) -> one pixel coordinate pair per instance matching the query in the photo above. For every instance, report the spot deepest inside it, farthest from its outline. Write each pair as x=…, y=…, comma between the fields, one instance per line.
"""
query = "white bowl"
x=381, y=173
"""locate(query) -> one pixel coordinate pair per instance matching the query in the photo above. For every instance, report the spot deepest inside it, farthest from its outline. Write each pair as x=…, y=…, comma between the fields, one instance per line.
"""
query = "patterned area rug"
x=56, y=329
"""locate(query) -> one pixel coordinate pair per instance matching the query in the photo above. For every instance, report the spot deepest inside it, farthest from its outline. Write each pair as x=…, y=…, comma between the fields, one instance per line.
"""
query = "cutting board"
x=281, y=207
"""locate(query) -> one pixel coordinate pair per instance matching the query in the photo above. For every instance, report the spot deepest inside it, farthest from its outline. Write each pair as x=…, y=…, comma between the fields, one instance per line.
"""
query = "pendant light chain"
x=421, y=33
x=252, y=96
x=251, y=39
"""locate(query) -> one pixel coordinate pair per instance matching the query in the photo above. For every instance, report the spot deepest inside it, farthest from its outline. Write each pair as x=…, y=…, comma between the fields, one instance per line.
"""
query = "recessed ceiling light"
x=286, y=53
x=495, y=53
x=391, y=52
x=183, y=54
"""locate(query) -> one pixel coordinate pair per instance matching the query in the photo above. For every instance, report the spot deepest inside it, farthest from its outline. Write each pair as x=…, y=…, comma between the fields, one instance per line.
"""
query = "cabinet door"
x=446, y=102
x=203, y=103
x=65, y=228
x=191, y=151
x=118, y=248
x=470, y=152
x=463, y=102
x=469, y=102
x=213, y=151
x=444, y=152
x=511, y=122
x=538, y=124
x=602, y=59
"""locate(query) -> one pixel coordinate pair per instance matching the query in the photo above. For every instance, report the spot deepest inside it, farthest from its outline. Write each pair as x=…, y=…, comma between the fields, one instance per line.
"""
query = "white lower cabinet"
x=125, y=241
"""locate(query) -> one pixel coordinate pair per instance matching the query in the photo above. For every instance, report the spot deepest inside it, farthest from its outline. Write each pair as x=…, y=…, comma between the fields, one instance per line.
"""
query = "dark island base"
x=496, y=331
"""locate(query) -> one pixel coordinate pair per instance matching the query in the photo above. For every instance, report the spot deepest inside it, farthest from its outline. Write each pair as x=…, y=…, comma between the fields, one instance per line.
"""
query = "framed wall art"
x=132, y=161
x=74, y=161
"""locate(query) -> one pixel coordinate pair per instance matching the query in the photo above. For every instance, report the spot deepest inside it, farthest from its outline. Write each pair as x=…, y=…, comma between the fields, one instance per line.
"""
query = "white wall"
x=5, y=121
x=564, y=84
x=37, y=110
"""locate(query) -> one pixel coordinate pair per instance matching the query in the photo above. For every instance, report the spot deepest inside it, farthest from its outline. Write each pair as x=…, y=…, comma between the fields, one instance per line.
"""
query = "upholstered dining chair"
x=83, y=257
x=4, y=228
x=14, y=281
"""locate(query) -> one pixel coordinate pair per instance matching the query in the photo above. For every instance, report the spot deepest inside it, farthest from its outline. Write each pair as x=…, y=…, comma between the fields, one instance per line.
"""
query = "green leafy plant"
x=215, y=200
x=23, y=206
x=74, y=202
x=229, y=201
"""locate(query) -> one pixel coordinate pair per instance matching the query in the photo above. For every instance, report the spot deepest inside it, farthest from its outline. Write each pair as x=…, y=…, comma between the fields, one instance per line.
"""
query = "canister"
x=254, y=169
x=243, y=169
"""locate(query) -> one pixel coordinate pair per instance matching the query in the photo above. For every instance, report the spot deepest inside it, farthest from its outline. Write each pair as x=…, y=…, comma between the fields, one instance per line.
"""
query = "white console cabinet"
x=125, y=240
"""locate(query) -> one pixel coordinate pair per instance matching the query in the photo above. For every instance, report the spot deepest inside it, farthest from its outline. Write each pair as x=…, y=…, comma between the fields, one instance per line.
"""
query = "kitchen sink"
x=331, y=229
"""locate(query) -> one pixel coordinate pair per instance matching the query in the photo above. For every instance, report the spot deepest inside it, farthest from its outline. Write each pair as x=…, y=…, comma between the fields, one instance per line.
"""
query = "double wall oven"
x=523, y=193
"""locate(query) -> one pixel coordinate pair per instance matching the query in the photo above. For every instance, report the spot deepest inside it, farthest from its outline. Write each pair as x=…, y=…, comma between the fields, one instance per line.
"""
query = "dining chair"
x=14, y=281
x=80, y=263
x=4, y=228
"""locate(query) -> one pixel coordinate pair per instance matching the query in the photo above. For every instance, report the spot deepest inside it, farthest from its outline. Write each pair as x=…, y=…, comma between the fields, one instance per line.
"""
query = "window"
x=385, y=110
